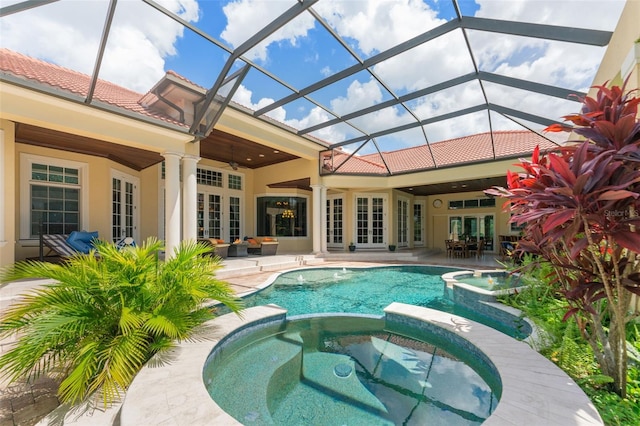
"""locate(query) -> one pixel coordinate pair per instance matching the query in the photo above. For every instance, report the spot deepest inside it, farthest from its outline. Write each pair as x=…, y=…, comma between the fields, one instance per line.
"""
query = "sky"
x=143, y=44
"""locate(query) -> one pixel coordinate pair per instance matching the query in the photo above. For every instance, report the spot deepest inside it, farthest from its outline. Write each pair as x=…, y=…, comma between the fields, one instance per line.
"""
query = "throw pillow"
x=82, y=241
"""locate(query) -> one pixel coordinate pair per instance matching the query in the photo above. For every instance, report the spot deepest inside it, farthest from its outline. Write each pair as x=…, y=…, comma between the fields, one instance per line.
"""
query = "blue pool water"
x=345, y=370
x=366, y=291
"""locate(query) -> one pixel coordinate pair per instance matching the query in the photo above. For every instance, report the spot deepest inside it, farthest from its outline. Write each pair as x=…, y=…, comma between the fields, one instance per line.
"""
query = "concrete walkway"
x=25, y=404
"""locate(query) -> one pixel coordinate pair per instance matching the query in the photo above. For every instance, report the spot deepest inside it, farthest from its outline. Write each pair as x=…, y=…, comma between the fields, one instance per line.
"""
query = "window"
x=456, y=204
x=487, y=202
x=209, y=177
x=235, y=182
x=472, y=203
x=52, y=194
x=281, y=216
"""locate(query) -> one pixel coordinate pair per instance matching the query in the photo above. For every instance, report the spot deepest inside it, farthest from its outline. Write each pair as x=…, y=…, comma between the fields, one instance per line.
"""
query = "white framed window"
x=235, y=182
x=53, y=194
x=209, y=177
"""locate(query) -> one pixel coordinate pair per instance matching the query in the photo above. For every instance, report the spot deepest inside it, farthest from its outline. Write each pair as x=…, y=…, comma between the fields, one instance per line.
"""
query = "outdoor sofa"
x=265, y=246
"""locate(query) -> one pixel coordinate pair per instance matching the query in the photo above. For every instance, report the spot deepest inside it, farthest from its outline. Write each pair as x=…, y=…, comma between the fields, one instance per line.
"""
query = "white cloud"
x=245, y=17
x=68, y=34
x=378, y=25
x=359, y=95
x=591, y=14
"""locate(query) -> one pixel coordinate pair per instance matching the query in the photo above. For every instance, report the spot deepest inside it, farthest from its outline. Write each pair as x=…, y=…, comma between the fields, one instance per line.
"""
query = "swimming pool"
x=368, y=291
x=347, y=369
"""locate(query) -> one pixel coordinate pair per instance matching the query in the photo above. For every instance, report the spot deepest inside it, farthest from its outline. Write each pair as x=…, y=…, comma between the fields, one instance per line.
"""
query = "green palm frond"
x=105, y=316
x=130, y=320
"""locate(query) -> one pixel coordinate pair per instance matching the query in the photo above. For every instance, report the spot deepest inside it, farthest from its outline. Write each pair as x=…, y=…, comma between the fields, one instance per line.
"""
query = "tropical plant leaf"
x=102, y=320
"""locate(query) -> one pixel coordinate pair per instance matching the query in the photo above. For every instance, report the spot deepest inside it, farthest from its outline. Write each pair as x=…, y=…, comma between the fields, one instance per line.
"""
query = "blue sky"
x=144, y=44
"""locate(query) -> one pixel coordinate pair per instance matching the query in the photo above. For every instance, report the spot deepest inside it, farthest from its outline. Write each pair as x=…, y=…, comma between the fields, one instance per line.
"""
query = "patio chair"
x=126, y=242
x=449, y=246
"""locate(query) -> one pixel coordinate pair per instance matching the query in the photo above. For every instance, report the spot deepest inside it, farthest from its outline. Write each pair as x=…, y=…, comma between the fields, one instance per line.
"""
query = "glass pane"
x=56, y=192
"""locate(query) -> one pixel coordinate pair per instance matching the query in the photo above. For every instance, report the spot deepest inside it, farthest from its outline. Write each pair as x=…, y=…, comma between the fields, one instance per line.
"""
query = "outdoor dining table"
x=460, y=248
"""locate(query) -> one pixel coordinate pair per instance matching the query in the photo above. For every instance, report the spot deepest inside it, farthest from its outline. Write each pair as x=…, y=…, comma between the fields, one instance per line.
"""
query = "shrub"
x=105, y=316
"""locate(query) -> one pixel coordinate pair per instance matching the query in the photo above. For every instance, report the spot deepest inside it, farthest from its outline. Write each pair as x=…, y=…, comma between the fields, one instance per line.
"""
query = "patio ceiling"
x=237, y=152
x=425, y=71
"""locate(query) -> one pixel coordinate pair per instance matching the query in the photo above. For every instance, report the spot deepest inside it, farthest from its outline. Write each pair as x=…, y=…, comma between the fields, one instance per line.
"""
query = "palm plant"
x=105, y=316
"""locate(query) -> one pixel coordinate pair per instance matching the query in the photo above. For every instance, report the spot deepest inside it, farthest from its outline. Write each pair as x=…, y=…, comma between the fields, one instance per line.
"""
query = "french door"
x=210, y=215
x=418, y=223
x=235, y=219
x=335, y=212
x=371, y=221
x=403, y=222
x=124, y=206
x=474, y=227
x=212, y=220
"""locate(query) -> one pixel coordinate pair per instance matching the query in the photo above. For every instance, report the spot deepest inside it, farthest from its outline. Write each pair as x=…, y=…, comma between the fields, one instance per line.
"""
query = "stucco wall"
x=7, y=193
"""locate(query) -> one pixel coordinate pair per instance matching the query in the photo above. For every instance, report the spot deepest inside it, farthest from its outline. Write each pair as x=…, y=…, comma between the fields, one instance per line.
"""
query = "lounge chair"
x=264, y=247
x=61, y=246
x=58, y=248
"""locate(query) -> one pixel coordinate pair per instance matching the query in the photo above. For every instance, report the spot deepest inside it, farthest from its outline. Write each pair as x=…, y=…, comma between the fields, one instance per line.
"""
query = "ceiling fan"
x=233, y=164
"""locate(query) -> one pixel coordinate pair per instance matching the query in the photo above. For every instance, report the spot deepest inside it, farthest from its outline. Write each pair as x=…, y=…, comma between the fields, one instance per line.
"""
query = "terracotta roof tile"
x=42, y=72
x=467, y=149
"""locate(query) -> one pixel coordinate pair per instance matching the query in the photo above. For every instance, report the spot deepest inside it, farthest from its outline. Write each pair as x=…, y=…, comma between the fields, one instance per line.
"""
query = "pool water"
x=366, y=291
x=497, y=281
x=345, y=370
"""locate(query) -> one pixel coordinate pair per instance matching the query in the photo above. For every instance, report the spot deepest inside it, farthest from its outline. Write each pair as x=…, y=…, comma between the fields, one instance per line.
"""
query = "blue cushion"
x=82, y=240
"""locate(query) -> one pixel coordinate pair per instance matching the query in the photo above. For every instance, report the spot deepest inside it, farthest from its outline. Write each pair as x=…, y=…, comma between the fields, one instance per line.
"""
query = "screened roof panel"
x=260, y=90
x=452, y=99
x=370, y=28
x=401, y=140
x=337, y=133
x=597, y=15
x=550, y=62
x=387, y=67
x=380, y=120
x=301, y=114
x=302, y=42
x=464, y=125
x=243, y=21
x=543, y=106
x=428, y=64
x=353, y=93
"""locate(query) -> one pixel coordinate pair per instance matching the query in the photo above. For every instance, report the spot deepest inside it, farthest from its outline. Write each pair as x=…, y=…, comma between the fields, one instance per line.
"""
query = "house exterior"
x=130, y=168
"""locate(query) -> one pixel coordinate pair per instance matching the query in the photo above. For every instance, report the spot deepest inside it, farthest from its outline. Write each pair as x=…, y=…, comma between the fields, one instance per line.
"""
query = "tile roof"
x=467, y=149
x=61, y=78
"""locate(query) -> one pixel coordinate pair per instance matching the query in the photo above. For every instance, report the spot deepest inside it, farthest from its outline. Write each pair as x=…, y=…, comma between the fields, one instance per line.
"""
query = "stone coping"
x=534, y=390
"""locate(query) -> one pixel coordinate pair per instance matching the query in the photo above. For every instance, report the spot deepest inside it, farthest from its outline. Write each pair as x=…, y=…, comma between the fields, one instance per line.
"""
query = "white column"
x=316, y=217
x=171, y=202
x=3, y=240
x=189, y=197
x=323, y=219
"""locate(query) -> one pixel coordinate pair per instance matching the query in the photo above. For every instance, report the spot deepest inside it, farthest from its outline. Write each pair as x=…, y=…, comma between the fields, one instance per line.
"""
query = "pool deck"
x=29, y=404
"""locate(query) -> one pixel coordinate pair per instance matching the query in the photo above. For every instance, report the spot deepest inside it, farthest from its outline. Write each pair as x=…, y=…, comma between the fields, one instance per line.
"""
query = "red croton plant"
x=580, y=207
